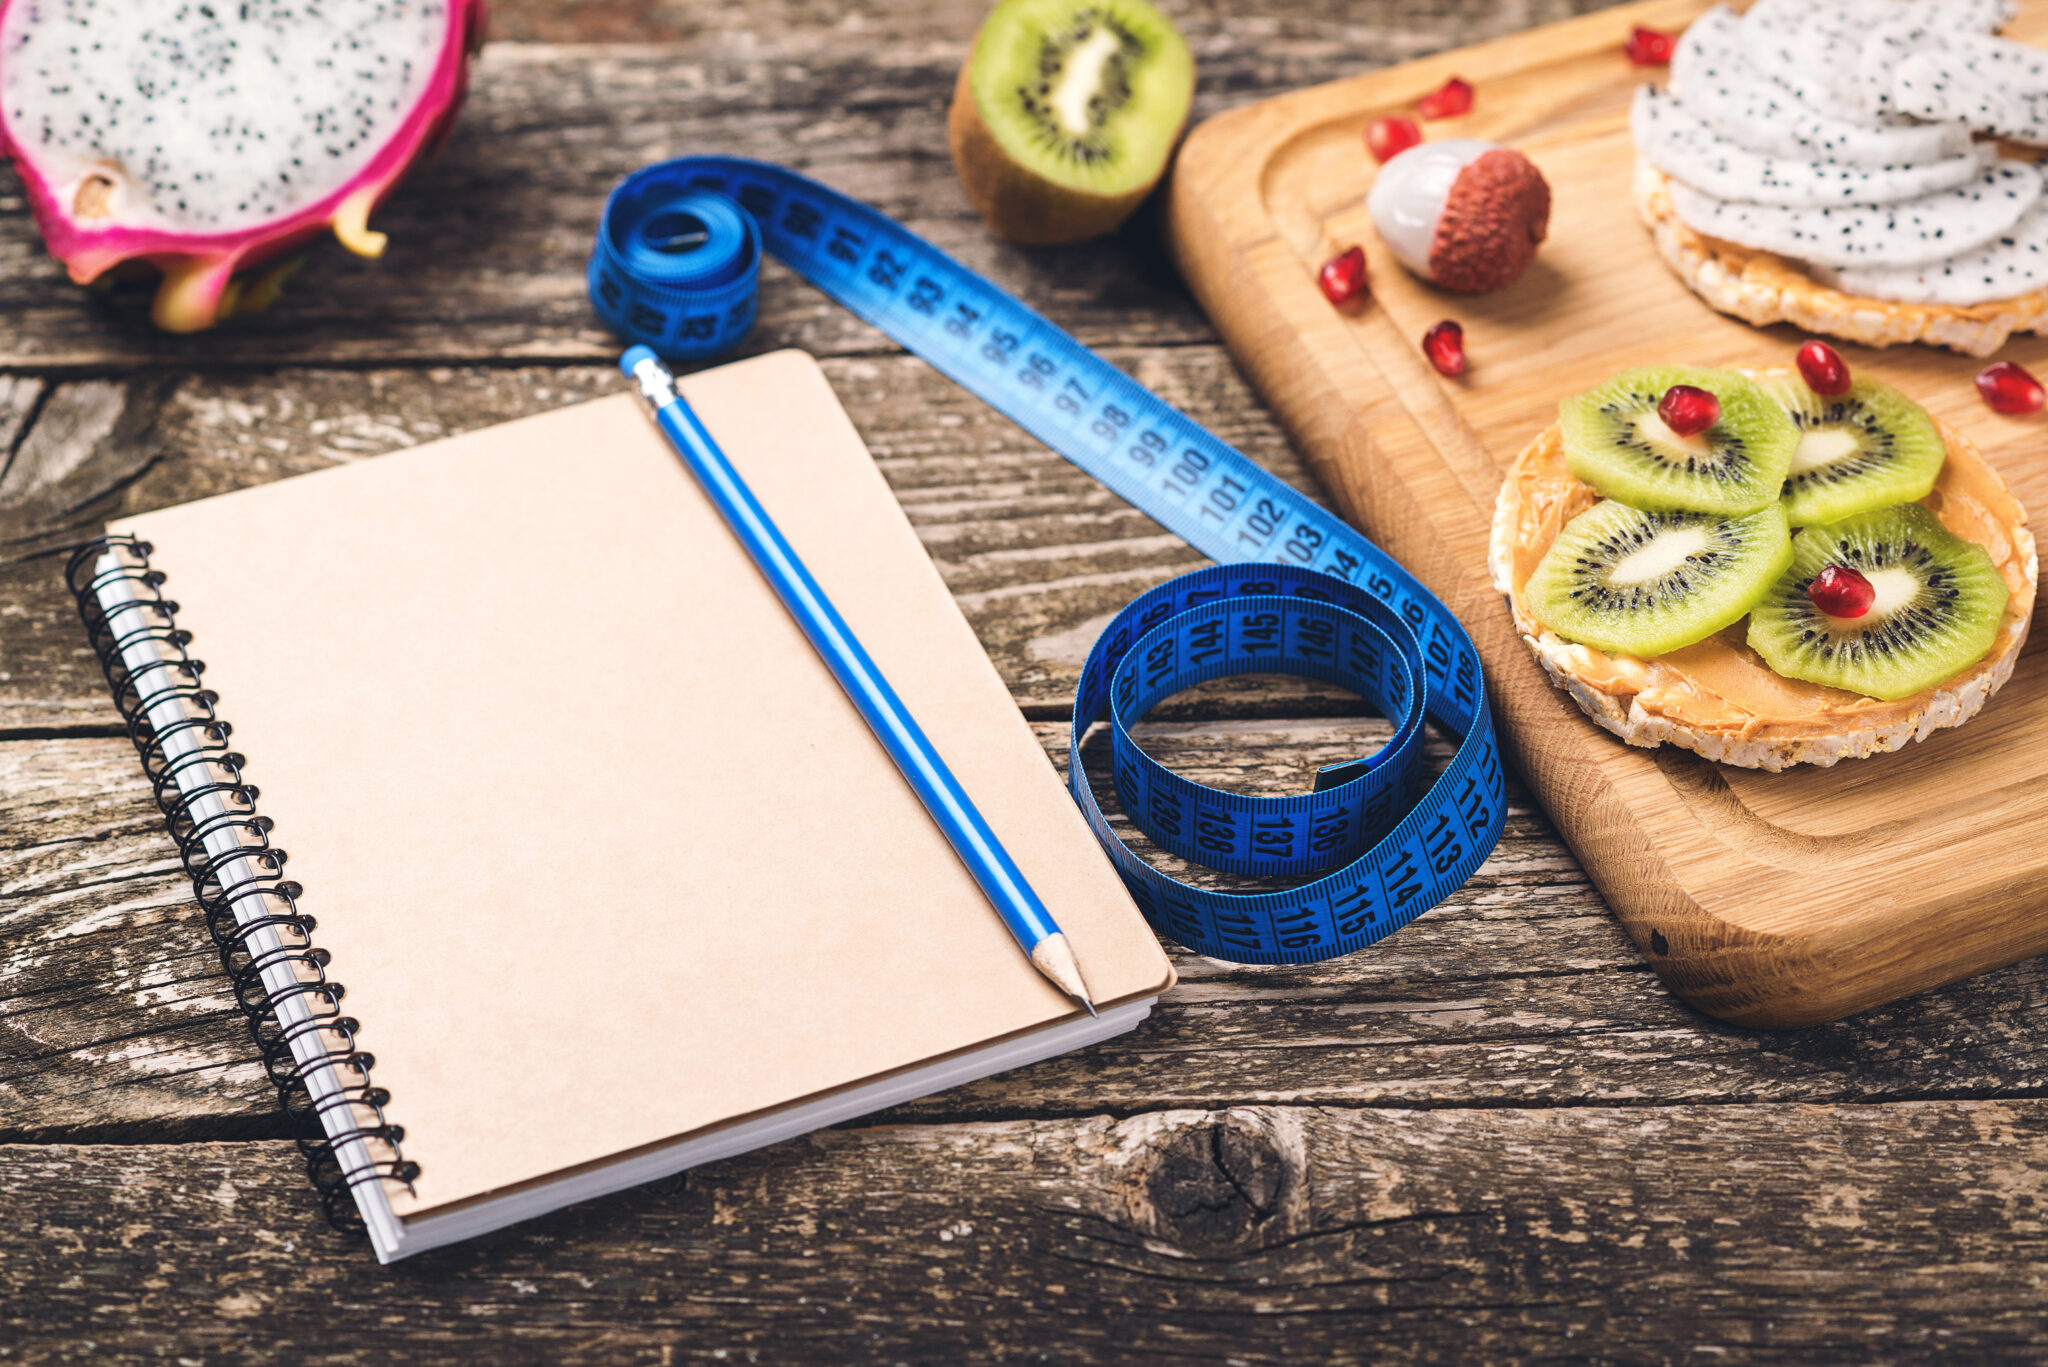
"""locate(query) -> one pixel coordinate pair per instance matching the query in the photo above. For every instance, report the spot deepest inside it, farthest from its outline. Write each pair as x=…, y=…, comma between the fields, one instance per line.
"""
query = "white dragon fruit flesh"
x=2012, y=265
x=1815, y=48
x=211, y=137
x=1846, y=135
x=1713, y=79
x=1997, y=85
x=1686, y=149
x=1910, y=233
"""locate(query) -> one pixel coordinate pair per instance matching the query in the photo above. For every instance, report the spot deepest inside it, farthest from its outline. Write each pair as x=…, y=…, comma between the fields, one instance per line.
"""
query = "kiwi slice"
x=1614, y=441
x=1640, y=583
x=1065, y=114
x=1869, y=448
x=1938, y=603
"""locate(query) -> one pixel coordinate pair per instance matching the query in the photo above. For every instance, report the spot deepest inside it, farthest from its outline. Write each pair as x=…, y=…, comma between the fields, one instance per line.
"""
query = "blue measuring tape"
x=676, y=267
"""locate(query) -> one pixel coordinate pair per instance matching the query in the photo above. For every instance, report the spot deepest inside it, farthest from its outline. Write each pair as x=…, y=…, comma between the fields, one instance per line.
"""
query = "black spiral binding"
x=218, y=895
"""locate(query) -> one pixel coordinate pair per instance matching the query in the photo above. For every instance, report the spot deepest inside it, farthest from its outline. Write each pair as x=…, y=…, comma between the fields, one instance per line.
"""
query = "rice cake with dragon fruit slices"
x=1781, y=183
x=1762, y=288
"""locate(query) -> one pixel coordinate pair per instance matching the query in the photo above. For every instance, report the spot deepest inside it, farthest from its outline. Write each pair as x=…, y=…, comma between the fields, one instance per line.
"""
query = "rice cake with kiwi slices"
x=1718, y=697
x=1065, y=113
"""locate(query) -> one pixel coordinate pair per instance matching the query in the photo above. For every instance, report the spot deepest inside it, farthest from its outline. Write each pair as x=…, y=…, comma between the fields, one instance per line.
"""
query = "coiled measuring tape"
x=676, y=266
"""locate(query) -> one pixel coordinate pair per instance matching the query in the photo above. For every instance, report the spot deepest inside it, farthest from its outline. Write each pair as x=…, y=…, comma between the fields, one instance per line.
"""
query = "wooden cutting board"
x=1767, y=899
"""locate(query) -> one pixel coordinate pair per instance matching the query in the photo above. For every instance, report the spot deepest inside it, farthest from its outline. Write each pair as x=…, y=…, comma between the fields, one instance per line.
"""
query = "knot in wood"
x=1218, y=1183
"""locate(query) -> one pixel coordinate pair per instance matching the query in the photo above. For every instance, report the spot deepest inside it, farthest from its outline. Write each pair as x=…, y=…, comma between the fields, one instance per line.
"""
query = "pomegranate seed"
x=1452, y=98
x=1688, y=410
x=1841, y=592
x=1649, y=46
x=1823, y=369
x=1389, y=138
x=2010, y=389
x=1444, y=344
x=1343, y=277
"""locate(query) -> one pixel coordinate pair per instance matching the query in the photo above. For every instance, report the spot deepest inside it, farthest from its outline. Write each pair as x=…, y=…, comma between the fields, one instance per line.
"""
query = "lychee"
x=1464, y=214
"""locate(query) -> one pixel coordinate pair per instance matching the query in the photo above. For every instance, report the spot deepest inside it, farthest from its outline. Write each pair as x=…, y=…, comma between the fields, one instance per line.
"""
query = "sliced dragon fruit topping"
x=208, y=140
x=1849, y=137
x=1718, y=83
x=1907, y=233
x=1682, y=145
x=1996, y=84
x=2005, y=268
x=1889, y=53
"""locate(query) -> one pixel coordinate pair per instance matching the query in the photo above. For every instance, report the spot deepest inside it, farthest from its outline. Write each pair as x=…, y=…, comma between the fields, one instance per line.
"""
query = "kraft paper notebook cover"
x=615, y=877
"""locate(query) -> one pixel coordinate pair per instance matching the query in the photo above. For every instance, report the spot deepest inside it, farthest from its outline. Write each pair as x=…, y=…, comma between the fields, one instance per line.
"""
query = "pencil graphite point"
x=1054, y=957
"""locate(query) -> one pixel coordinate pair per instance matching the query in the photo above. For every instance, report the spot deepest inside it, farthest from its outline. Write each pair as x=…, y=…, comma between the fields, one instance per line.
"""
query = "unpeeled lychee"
x=1464, y=214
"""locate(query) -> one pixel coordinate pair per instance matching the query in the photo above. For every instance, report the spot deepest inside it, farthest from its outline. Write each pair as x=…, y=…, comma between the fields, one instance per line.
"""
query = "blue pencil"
x=1000, y=878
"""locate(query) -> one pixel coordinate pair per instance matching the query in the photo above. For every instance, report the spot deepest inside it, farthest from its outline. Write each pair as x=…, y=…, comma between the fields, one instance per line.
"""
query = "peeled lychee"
x=1464, y=214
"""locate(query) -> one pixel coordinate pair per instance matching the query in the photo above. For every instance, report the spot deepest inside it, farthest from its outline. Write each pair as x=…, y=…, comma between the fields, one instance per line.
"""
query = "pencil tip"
x=1054, y=957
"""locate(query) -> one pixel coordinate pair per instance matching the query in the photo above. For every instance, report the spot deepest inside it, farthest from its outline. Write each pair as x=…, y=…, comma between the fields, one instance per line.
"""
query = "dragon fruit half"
x=208, y=137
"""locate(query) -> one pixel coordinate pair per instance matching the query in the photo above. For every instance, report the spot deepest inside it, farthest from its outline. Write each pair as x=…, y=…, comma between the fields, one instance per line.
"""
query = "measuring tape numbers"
x=1299, y=591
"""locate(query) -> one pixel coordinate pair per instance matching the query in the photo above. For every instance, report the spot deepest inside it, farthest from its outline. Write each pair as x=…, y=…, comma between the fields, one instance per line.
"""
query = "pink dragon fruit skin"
x=199, y=269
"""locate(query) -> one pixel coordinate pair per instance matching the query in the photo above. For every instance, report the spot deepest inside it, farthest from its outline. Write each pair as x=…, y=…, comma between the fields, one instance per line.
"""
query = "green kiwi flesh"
x=1869, y=448
x=1614, y=441
x=1939, y=602
x=1643, y=583
x=1067, y=112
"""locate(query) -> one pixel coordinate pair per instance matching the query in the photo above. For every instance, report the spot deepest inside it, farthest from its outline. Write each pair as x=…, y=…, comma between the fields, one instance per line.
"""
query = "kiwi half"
x=1640, y=583
x=1614, y=441
x=1939, y=602
x=1871, y=447
x=1065, y=114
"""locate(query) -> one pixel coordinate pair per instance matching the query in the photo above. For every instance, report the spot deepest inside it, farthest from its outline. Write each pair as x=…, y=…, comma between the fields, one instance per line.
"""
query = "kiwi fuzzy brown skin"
x=1020, y=205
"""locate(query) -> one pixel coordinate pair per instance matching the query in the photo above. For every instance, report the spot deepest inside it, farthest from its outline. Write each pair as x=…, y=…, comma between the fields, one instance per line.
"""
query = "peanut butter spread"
x=1719, y=685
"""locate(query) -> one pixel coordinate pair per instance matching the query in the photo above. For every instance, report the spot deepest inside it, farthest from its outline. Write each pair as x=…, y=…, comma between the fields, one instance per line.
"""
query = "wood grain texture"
x=1477, y=1143
x=489, y=244
x=1039, y=555
x=1304, y=33
x=1252, y=1235
x=1779, y=899
x=116, y=1023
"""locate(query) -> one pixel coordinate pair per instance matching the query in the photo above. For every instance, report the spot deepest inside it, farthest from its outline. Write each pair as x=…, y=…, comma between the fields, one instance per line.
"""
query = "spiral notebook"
x=594, y=874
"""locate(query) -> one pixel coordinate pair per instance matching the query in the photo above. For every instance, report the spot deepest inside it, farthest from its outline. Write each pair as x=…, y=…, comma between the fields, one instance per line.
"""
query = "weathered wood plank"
x=19, y=396
x=488, y=246
x=1842, y=1234
x=1040, y=554
x=1300, y=32
x=1520, y=991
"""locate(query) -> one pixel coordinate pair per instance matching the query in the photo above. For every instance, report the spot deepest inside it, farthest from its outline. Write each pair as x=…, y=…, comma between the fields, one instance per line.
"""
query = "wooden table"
x=1495, y=1137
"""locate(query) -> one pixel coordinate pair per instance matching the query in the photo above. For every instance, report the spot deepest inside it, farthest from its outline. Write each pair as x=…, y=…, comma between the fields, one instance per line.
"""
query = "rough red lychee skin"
x=1493, y=219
